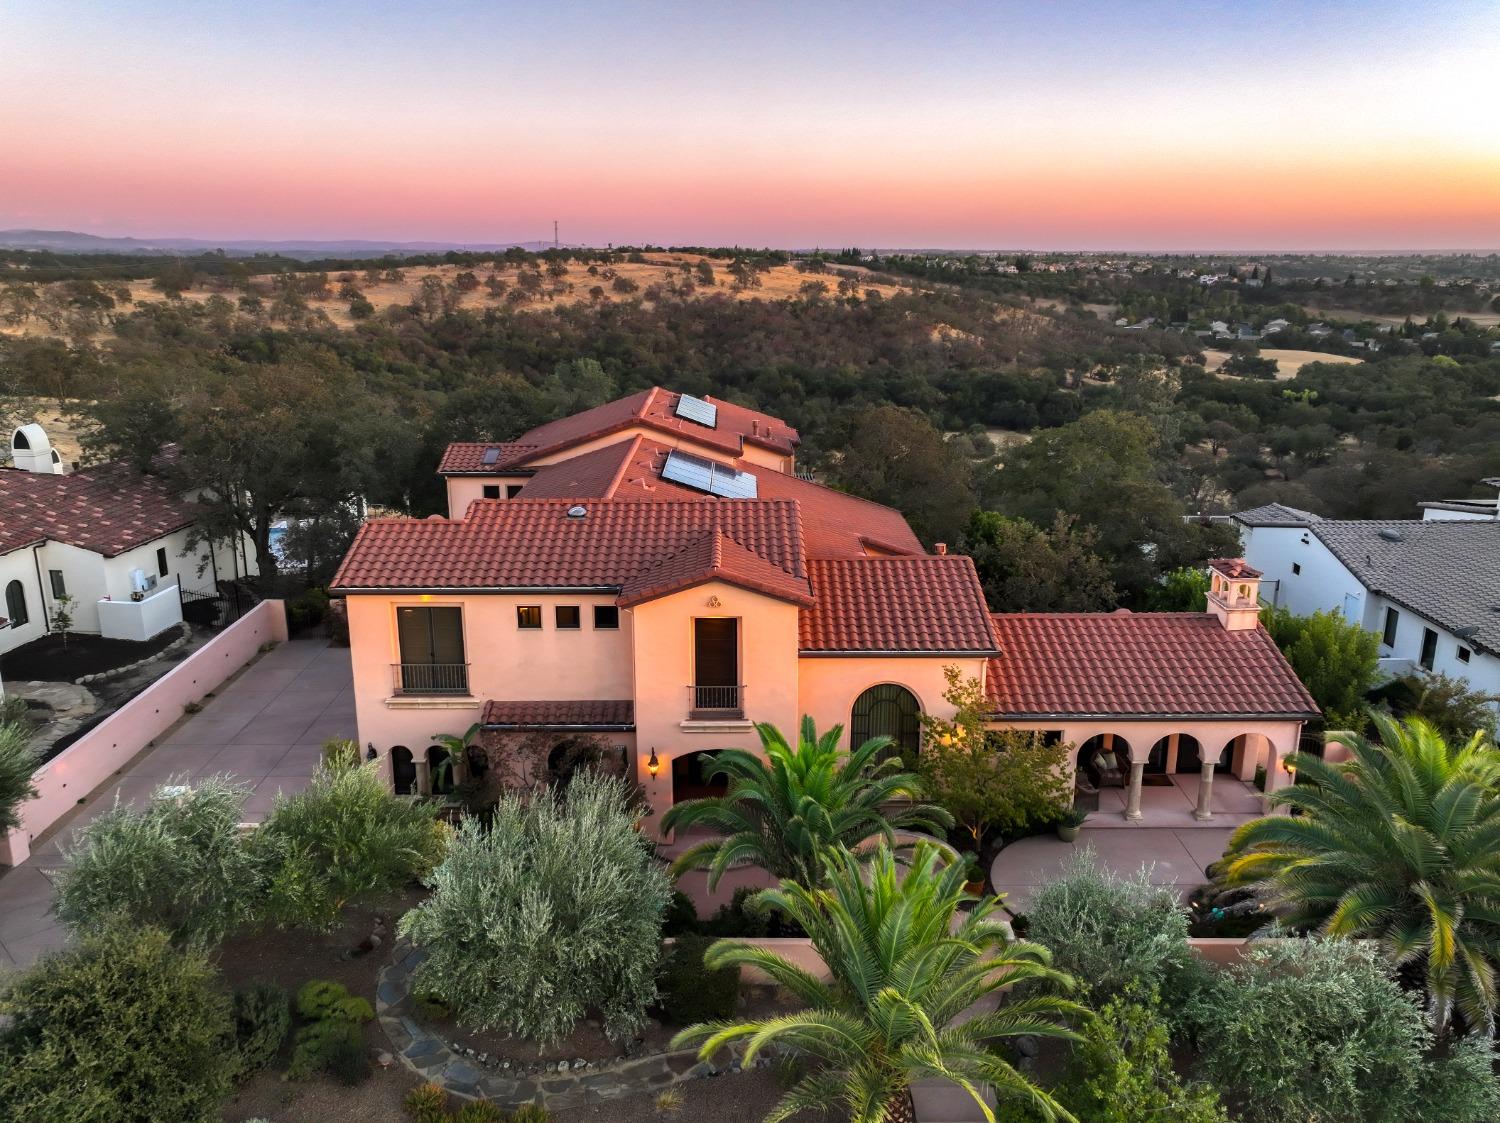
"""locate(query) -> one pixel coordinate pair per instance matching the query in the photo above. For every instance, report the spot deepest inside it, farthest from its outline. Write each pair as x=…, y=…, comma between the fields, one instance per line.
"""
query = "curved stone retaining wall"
x=560, y=1084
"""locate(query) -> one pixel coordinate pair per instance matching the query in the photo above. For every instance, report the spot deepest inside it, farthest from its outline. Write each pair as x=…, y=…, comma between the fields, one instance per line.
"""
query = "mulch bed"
x=588, y=1040
x=46, y=659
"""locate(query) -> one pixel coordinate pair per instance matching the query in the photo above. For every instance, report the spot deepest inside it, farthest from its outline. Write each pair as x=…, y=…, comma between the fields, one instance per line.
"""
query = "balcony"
x=716, y=703
x=429, y=679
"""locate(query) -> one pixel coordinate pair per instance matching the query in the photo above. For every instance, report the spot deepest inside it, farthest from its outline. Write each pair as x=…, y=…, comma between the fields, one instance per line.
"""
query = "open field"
x=1349, y=315
x=577, y=285
x=1288, y=362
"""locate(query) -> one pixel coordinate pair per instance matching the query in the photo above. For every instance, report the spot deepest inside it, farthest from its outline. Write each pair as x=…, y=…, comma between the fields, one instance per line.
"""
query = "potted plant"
x=1067, y=826
x=973, y=873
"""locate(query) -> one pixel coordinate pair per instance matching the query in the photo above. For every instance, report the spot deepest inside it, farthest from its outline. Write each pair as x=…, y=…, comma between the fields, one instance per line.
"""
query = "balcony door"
x=716, y=664
x=432, y=651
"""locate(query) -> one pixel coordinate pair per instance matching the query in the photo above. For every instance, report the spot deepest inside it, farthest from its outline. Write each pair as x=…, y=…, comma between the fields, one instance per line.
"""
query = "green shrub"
x=262, y=1018
x=1305, y=1026
x=427, y=1103
x=692, y=993
x=17, y=763
x=343, y=838
x=682, y=915
x=743, y=917
x=338, y=755
x=1121, y=1072
x=332, y=1045
x=323, y=999
x=554, y=911
x=117, y=1028
x=1335, y=657
x=178, y=863
x=306, y=610
x=479, y=1111
x=1111, y=932
x=531, y=1113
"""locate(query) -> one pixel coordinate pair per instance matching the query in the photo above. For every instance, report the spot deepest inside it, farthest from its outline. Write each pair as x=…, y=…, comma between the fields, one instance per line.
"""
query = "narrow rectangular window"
x=513, y=490
x=1429, y=647
x=569, y=618
x=492, y=491
x=161, y=562
x=1296, y=568
x=529, y=617
x=606, y=617
x=1392, y=619
x=1464, y=654
x=59, y=587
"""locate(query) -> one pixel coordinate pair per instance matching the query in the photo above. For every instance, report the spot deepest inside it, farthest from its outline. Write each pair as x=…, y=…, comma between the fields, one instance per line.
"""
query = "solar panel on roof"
x=696, y=409
x=705, y=475
x=491, y=455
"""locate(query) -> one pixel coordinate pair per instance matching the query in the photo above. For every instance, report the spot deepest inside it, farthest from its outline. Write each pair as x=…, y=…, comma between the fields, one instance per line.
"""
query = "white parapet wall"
x=92, y=759
x=139, y=620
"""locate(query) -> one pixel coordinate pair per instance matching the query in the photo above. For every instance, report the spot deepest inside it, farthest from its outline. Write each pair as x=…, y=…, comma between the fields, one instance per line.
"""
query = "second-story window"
x=161, y=562
x=513, y=490
x=568, y=618
x=606, y=618
x=1392, y=621
x=492, y=491
x=529, y=617
x=432, y=651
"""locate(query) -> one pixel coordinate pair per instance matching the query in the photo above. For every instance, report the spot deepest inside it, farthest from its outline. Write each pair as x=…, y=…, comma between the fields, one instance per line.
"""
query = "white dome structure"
x=31, y=451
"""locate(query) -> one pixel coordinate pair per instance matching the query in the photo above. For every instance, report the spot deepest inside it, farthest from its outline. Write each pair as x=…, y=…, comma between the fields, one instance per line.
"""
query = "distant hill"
x=71, y=241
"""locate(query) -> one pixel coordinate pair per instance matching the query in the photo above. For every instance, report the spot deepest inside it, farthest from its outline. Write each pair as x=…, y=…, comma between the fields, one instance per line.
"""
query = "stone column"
x=424, y=774
x=1133, y=800
x=1204, y=811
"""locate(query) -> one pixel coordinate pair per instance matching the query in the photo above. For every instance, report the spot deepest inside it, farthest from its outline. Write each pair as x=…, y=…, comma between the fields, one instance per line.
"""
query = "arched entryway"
x=440, y=770
x=403, y=771
x=888, y=710
x=690, y=778
x=1103, y=761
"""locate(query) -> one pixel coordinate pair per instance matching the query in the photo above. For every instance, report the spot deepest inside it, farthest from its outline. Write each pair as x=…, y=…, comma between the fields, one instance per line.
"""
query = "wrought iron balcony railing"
x=430, y=678
x=716, y=701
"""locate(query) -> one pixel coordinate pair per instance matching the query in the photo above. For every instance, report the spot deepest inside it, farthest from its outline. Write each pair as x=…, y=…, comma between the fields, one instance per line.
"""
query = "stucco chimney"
x=940, y=548
x=1234, y=593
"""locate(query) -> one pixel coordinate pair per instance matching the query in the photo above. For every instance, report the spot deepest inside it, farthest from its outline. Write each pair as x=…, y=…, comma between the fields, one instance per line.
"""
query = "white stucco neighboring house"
x=97, y=535
x=1430, y=589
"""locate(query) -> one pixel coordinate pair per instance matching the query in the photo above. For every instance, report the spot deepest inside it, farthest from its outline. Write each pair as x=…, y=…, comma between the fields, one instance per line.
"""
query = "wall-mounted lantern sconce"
x=370, y=753
x=653, y=765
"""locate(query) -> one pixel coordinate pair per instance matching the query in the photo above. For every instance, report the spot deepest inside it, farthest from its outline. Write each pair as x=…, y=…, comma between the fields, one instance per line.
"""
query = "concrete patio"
x=265, y=728
x=1172, y=805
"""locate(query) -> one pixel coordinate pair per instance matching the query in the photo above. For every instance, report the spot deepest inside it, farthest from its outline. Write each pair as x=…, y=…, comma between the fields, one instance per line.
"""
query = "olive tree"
x=553, y=911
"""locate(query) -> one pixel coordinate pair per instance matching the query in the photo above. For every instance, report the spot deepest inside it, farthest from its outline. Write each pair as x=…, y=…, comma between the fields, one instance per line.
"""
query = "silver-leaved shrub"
x=553, y=912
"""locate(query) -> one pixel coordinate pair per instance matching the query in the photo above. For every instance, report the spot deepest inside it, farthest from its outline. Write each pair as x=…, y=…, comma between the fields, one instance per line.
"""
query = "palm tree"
x=782, y=813
x=908, y=969
x=1401, y=845
x=17, y=763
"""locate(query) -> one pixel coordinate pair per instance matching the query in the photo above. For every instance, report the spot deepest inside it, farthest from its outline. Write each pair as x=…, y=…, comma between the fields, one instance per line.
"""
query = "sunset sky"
x=1137, y=125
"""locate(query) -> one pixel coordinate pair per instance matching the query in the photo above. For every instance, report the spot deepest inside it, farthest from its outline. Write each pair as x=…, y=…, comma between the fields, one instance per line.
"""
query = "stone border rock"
x=560, y=1084
x=115, y=672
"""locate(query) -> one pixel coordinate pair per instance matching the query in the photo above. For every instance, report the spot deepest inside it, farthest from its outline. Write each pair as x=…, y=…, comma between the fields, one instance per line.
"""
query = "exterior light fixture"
x=1288, y=766
x=370, y=753
x=653, y=765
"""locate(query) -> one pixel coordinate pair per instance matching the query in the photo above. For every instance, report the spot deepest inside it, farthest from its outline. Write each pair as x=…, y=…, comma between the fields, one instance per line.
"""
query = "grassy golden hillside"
x=577, y=285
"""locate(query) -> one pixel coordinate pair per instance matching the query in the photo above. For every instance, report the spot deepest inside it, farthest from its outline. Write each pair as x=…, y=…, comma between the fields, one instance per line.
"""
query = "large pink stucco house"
x=653, y=572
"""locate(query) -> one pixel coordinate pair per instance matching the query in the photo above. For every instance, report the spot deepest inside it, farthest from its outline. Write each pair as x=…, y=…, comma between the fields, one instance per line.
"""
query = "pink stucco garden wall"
x=103, y=750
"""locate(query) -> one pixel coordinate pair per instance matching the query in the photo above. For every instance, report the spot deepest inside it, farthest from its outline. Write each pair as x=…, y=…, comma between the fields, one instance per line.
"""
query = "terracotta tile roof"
x=1233, y=567
x=606, y=714
x=654, y=409
x=927, y=604
x=533, y=543
x=466, y=458
x=711, y=556
x=107, y=509
x=833, y=524
x=1121, y=664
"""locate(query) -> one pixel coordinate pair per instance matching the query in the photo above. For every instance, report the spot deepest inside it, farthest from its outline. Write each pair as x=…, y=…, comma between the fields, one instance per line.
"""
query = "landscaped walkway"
x=265, y=728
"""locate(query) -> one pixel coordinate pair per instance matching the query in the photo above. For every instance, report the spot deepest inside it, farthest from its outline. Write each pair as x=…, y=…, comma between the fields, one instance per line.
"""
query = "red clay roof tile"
x=612, y=713
x=1121, y=664
x=927, y=605
x=107, y=509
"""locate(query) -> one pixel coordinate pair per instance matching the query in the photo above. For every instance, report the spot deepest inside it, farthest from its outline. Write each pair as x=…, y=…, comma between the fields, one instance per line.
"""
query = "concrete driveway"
x=265, y=728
